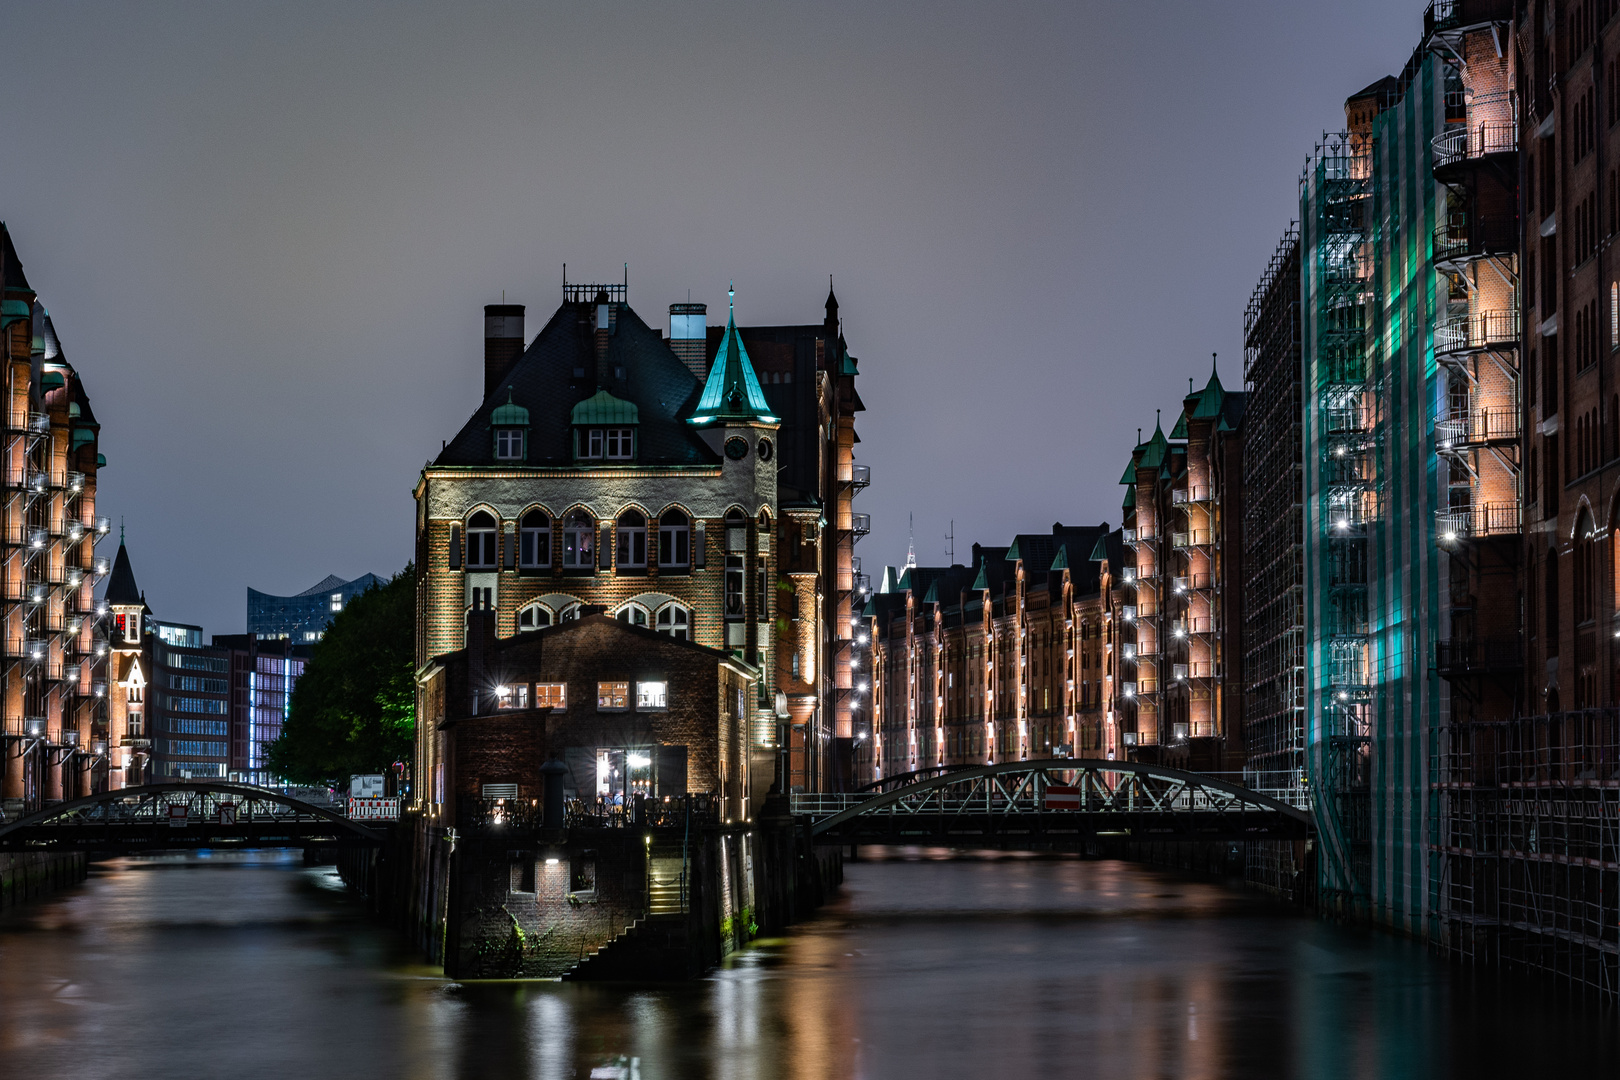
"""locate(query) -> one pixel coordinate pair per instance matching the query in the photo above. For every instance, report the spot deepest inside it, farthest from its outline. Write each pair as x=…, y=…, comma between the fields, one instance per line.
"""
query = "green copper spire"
x=732, y=392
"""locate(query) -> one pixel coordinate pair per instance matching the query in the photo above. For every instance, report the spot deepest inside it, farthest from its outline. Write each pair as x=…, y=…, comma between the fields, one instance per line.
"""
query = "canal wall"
x=634, y=901
x=28, y=875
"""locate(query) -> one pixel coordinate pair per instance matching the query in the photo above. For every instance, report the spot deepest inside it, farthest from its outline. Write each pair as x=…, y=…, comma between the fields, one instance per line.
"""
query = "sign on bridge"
x=374, y=809
x=1062, y=798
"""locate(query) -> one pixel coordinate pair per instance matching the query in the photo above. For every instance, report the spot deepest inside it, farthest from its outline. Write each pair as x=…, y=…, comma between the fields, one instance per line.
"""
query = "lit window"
x=337, y=601
x=551, y=695
x=632, y=552
x=512, y=697
x=534, y=547
x=579, y=541
x=509, y=444
x=534, y=617
x=675, y=621
x=612, y=696
x=652, y=695
x=481, y=542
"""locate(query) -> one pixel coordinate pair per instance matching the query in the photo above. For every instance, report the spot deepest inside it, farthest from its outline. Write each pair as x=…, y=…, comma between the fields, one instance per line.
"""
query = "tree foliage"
x=354, y=708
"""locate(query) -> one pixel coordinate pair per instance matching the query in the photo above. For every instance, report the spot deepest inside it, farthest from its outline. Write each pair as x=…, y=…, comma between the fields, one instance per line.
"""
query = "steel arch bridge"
x=183, y=814
x=1053, y=801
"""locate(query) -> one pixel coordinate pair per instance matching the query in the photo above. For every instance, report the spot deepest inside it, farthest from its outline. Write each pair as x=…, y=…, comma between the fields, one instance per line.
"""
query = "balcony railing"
x=1461, y=239
x=860, y=524
x=1476, y=331
x=1443, y=15
x=1453, y=658
x=1488, y=519
x=860, y=476
x=1128, y=535
x=1195, y=493
x=1477, y=427
x=1474, y=141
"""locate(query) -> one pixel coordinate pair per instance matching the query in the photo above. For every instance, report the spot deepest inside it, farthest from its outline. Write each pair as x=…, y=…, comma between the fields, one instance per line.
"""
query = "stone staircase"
x=654, y=947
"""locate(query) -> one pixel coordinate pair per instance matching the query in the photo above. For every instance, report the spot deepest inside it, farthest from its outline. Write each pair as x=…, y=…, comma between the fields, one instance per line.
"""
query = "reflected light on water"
x=929, y=963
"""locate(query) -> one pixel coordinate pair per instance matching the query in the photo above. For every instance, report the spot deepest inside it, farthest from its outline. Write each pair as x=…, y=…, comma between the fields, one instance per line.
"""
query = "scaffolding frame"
x=1274, y=527
x=1530, y=845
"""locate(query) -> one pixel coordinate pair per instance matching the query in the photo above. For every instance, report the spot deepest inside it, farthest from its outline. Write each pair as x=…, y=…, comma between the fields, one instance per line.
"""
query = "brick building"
x=629, y=711
x=605, y=469
x=1181, y=518
x=55, y=738
x=996, y=661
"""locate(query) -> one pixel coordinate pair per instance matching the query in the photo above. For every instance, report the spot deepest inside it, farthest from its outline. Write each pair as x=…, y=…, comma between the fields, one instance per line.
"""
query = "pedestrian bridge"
x=183, y=814
x=1052, y=802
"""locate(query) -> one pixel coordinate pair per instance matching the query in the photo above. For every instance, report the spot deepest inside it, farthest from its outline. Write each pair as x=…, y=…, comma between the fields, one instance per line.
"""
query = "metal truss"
x=182, y=814
x=1013, y=801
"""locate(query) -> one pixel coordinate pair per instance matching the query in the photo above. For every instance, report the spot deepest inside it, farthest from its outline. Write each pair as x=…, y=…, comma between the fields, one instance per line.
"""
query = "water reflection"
x=933, y=965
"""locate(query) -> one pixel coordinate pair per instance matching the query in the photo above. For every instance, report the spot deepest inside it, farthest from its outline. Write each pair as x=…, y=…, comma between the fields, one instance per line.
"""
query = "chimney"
x=604, y=328
x=689, y=337
x=503, y=342
x=480, y=642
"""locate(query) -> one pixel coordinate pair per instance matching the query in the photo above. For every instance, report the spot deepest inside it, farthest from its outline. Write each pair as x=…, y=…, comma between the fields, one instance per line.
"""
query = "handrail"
x=1132, y=768
x=189, y=787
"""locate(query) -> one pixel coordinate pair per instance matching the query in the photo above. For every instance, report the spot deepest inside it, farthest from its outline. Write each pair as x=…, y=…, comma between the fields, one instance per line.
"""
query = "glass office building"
x=302, y=617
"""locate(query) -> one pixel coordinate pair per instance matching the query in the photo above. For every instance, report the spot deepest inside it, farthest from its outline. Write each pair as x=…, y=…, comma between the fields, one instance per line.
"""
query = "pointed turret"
x=733, y=393
x=121, y=588
x=126, y=601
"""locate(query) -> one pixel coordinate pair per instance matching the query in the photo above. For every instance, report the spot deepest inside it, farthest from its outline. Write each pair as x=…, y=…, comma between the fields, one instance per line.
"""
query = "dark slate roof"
x=543, y=382
x=11, y=266
x=121, y=587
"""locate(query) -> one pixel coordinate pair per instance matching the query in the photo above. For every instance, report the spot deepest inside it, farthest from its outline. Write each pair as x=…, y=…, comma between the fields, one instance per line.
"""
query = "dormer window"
x=605, y=428
x=510, y=423
x=611, y=444
x=509, y=444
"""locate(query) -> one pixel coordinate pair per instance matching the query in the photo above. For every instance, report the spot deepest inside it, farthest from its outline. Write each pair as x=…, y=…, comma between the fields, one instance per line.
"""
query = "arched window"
x=534, y=617
x=676, y=621
x=568, y=614
x=632, y=553
x=579, y=541
x=634, y=614
x=534, y=549
x=736, y=548
x=1585, y=569
x=481, y=541
x=674, y=540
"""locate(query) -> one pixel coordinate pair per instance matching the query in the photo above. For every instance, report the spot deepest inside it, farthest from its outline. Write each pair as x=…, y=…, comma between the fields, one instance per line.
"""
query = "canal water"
x=249, y=965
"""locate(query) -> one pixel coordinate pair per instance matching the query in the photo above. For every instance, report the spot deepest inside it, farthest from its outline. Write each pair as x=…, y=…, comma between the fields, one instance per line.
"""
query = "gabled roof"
x=732, y=391
x=1153, y=451
x=121, y=588
x=1210, y=401
x=543, y=383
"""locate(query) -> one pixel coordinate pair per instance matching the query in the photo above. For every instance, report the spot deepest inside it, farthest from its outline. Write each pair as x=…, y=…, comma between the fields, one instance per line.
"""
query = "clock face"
x=736, y=449
x=765, y=450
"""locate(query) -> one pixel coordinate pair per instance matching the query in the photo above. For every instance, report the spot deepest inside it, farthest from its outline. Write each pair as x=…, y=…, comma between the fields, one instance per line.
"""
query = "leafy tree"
x=354, y=708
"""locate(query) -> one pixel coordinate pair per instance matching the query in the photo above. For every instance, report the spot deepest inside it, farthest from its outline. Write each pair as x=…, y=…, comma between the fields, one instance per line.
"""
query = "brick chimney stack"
x=503, y=342
x=689, y=337
x=604, y=328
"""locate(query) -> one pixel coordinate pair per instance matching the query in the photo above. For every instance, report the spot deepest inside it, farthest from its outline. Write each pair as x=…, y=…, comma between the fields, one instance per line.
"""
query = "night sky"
x=266, y=232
